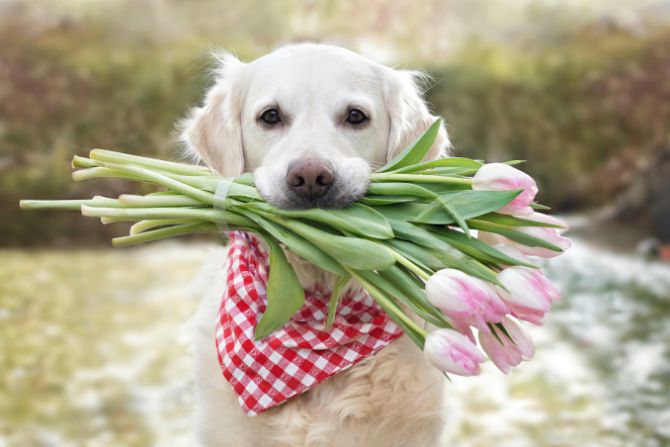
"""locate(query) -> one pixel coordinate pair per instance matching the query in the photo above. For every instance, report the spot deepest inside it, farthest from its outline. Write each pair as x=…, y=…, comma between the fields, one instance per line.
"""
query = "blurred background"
x=93, y=341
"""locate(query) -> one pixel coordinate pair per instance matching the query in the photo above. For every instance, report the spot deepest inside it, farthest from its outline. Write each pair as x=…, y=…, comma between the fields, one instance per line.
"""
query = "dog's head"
x=311, y=121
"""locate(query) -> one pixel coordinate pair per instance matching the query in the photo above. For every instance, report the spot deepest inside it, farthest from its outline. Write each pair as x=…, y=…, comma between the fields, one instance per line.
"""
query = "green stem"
x=113, y=220
x=164, y=233
x=107, y=156
x=335, y=296
x=168, y=182
x=410, y=265
x=100, y=172
x=420, y=178
x=197, y=214
x=149, y=224
x=157, y=201
x=387, y=304
x=83, y=162
x=71, y=205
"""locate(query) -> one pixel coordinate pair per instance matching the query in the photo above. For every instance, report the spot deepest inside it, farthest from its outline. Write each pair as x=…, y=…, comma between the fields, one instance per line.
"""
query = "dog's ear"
x=213, y=133
x=408, y=113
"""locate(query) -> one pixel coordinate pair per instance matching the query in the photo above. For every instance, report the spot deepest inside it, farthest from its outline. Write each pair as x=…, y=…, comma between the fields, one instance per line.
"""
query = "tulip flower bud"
x=452, y=352
x=466, y=300
x=545, y=218
x=503, y=177
x=505, y=351
x=492, y=239
x=527, y=293
x=551, y=235
x=513, y=252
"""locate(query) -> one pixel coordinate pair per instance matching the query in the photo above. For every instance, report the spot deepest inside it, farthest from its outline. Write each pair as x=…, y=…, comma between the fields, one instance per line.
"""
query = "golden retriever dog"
x=312, y=121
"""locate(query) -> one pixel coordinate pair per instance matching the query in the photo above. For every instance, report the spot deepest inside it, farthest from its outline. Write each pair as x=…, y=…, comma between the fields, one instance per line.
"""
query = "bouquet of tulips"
x=410, y=242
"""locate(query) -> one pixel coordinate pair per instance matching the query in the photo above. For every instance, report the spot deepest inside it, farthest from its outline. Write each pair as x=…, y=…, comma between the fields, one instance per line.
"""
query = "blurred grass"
x=94, y=346
x=95, y=352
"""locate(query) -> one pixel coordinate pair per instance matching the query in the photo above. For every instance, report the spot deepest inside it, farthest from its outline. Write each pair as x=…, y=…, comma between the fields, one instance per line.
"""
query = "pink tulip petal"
x=452, y=352
x=466, y=300
x=502, y=177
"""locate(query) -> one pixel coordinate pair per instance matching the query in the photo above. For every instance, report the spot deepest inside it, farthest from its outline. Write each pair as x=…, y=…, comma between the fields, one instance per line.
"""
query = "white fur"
x=390, y=399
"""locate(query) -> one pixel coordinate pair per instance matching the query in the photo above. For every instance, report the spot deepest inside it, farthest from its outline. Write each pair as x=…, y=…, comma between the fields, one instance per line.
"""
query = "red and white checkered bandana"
x=300, y=355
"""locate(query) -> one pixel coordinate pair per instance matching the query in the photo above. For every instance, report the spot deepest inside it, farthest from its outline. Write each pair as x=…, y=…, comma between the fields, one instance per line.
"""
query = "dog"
x=312, y=121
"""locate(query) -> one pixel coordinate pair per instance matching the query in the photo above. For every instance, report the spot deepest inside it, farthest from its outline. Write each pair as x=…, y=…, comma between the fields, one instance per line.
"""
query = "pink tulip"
x=452, y=352
x=492, y=239
x=511, y=351
x=512, y=252
x=527, y=293
x=545, y=218
x=502, y=177
x=552, y=235
x=465, y=299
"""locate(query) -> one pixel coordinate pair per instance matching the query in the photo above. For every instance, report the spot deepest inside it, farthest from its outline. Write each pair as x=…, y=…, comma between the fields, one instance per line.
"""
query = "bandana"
x=303, y=353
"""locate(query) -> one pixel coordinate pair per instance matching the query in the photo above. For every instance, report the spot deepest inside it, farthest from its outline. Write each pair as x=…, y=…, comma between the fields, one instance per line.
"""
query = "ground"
x=95, y=352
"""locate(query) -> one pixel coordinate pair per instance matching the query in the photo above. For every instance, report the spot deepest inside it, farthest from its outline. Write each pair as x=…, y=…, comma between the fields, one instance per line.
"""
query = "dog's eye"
x=270, y=117
x=356, y=117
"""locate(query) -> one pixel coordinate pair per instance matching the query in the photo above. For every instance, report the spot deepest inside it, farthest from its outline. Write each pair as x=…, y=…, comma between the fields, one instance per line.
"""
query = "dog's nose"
x=310, y=177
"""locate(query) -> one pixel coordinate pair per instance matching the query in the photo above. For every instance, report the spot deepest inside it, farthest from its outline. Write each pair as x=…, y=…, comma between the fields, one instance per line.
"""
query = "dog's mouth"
x=337, y=196
x=313, y=183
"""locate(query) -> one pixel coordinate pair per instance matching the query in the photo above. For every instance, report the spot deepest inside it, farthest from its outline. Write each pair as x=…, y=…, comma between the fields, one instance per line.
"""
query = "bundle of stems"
x=415, y=220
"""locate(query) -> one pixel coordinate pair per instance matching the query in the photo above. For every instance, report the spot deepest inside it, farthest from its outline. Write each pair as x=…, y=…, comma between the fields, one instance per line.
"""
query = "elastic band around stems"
x=220, y=197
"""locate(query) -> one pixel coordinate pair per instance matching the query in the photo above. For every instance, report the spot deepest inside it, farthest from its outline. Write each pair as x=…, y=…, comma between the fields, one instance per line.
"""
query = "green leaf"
x=423, y=258
x=335, y=296
x=512, y=221
x=540, y=207
x=353, y=252
x=369, y=280
x=455, y=214
x=400, y=189
x=379, y=200
x=502, y=328
x=477, y=249
x=416, y=151
x=285, y=294
x=513, y=234
x=415, y=295
x=298, y=245
x=468, y=204
x=358, y=219
x=402, y=192
x=393, y=292
x=448, y=171
x=436, y=253
x=402, y=211
x=448, y=162
x=515, y=162
x=419, y=191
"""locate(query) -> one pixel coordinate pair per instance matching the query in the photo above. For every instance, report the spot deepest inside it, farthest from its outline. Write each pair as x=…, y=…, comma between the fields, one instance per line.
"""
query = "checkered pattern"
x=300, y=355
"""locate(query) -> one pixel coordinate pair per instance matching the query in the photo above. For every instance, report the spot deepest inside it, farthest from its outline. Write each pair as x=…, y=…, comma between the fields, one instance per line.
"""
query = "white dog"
x=311, y=121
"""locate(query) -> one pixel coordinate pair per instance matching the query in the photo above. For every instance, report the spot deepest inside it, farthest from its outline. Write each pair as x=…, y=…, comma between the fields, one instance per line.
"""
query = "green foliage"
x=416, y=151
x=570, y=98
x=568, y=106
x=69, y=89
x=285, y=294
